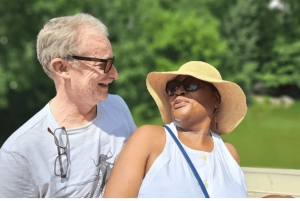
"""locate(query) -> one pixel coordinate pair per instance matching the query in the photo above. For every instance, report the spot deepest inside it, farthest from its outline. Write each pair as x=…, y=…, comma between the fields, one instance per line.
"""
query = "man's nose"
x=113, y=73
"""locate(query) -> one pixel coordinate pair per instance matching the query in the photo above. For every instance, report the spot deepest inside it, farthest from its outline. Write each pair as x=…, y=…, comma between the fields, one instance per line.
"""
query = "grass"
x=269, y=136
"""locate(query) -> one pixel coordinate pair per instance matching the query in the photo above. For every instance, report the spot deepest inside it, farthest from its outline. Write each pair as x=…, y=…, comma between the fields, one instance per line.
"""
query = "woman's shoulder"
x=151, y=136
x=232, y=150
x=150, y=127
x=150, y=132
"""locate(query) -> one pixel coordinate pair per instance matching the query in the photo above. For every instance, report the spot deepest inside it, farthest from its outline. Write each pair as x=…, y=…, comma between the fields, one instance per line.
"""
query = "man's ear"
x=60, y=67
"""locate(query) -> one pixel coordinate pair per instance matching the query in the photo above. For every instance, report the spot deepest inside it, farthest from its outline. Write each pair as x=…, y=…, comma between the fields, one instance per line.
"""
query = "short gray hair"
x=59, y=37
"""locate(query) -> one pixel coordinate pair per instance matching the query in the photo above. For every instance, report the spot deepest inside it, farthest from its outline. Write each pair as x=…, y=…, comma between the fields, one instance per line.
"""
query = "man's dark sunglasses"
x=108, y=62
x=189, y=84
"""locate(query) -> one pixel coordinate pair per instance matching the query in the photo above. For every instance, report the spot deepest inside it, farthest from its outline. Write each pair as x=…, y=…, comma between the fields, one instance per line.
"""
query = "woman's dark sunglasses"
x=189, y=84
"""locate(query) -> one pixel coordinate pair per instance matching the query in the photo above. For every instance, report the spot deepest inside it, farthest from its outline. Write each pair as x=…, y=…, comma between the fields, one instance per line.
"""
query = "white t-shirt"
x=27, y=157
x=170, y=176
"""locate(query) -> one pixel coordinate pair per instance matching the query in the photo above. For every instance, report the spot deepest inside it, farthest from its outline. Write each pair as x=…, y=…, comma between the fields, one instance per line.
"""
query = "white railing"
x=266, y=181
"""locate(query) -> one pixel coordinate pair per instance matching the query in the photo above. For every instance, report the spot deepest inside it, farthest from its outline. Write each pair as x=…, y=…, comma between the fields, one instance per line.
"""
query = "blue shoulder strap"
x=189, y=162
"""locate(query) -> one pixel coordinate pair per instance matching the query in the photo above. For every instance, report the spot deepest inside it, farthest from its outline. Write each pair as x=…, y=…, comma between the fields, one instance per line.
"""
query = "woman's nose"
x=180, y=91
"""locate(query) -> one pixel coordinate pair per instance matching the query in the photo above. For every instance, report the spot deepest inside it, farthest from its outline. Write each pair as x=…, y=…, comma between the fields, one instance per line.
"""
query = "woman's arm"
x=134, y=161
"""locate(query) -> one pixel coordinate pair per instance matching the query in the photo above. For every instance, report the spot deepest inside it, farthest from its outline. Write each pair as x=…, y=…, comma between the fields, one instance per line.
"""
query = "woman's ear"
x=218, y=98
x=59, y=67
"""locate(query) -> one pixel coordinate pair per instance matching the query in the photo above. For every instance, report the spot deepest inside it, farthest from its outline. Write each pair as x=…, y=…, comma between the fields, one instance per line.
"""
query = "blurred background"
x=254, y=43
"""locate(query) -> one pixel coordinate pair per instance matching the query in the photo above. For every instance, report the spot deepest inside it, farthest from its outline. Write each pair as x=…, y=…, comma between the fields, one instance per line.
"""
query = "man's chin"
x=103, y=98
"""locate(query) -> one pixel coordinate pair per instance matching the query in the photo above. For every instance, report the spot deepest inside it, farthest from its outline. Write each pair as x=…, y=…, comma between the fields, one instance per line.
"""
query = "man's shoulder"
x=113, y=98
x=114, y=112
x=113, y=101
x=26, y=128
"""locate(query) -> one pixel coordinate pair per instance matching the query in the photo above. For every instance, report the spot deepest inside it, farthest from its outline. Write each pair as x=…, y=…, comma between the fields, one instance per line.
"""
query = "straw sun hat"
x=233, y=106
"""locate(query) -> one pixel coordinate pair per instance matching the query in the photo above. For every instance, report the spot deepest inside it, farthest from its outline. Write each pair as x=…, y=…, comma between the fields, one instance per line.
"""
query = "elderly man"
x=69, y=147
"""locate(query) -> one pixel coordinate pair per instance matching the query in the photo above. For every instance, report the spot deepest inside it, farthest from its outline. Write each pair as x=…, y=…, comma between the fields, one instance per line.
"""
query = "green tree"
x=262, y=44
x=281, y=72
x=24, y=87
x=156, y=36
x=239, y=27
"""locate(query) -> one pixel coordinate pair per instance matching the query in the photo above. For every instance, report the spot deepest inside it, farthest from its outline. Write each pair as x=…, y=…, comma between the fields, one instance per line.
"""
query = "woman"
x=197, y=106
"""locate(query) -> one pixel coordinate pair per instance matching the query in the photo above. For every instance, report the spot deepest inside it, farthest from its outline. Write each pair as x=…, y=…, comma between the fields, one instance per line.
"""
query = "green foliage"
x=239, y=27
x=3, y=88
x=182, y=37
x=245, y=40
x=280, y=64
x=285, y=70
x=155, y=36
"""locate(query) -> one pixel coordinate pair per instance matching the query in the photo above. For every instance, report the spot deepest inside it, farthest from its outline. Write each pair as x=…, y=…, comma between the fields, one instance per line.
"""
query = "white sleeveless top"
x=171, y=177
